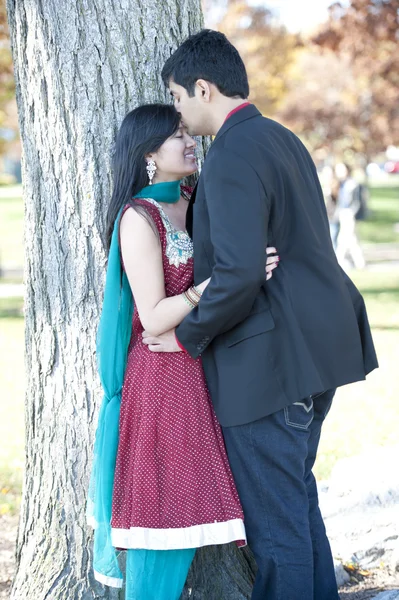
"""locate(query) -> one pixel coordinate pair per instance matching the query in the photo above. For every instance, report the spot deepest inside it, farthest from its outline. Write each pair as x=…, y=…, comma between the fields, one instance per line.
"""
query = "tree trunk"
x=80, y=65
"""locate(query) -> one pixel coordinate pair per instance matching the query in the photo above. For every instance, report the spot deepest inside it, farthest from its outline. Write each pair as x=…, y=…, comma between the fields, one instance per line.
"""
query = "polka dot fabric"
x=173, y=486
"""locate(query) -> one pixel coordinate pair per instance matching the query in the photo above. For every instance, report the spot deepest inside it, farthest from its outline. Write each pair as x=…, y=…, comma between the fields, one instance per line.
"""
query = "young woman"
x=170, y=484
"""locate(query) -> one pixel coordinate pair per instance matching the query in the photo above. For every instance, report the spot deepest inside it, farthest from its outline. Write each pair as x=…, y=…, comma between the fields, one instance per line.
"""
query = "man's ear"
x=203, y=90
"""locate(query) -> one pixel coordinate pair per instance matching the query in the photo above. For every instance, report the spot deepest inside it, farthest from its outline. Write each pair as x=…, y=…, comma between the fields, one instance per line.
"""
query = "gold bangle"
x=188, y=301
x=192, y=297
x=197, y=290
x=195, y=294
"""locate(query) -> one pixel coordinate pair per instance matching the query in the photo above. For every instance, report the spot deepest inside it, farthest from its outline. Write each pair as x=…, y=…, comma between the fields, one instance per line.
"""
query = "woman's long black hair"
x=142, y=132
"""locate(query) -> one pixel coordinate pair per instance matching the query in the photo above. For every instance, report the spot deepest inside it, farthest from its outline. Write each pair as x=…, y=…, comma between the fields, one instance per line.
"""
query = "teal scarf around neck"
x=167, y=191
x=113, y=337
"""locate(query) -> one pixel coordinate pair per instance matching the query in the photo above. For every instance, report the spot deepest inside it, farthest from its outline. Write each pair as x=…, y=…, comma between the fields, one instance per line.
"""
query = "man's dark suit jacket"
x=265, y=345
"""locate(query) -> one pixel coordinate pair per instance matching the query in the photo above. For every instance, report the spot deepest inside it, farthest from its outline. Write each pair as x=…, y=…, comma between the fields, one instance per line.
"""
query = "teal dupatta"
x=113, y=339
x=167, y=191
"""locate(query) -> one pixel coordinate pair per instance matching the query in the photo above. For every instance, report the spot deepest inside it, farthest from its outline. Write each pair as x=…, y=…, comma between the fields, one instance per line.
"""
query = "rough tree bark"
x=80, y=65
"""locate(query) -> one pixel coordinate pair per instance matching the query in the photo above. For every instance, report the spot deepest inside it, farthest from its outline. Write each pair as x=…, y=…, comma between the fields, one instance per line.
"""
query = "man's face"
x=193, y=111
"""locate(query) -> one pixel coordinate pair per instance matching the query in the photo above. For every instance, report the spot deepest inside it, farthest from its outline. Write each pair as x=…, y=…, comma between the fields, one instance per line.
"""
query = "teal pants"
x=157, y=574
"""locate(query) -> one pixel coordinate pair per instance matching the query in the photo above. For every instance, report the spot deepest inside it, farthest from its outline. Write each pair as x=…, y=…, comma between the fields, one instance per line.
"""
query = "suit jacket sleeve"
x=238, y=210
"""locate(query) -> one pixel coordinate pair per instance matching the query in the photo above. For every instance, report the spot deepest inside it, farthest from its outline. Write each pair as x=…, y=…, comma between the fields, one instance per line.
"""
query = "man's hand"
x=166, y=342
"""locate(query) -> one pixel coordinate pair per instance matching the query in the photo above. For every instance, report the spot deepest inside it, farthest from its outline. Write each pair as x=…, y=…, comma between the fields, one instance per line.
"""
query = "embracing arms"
x=142, y=258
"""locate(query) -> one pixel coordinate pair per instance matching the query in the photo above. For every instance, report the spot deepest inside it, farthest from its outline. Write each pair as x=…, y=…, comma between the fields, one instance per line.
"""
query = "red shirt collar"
x=236, y=109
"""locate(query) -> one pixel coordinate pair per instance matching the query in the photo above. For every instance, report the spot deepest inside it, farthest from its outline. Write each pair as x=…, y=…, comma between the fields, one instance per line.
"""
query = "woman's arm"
x=142, y=258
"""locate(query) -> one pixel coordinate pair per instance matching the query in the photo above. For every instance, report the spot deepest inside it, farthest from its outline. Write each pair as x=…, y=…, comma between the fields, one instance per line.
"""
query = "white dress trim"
x=178, y=538
x=91, y=522
x=111, y=581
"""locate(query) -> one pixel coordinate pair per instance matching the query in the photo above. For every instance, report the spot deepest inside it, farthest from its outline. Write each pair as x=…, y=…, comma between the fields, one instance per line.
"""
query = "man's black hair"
x=208, y=55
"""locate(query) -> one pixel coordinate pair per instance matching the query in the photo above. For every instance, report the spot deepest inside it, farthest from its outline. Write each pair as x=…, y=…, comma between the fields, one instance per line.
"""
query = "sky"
x=299, y=15
x=296, y=15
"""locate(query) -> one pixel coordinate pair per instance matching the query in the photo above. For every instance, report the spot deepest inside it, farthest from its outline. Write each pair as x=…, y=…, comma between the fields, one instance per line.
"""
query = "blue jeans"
x=272, y=460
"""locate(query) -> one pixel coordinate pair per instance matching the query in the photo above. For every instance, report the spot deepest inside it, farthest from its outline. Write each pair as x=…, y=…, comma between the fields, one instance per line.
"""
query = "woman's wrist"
x=202, y=286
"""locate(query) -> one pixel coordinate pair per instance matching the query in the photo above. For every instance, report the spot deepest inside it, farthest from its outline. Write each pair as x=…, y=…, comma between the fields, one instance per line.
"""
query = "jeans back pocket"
x=300, y=414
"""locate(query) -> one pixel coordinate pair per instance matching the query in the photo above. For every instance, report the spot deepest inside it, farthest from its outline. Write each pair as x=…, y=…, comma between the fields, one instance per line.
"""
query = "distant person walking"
x=348, y=206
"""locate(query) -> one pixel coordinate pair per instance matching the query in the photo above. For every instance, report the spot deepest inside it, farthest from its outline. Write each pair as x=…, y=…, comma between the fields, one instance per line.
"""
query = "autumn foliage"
x=339, y=88
x=6, y=69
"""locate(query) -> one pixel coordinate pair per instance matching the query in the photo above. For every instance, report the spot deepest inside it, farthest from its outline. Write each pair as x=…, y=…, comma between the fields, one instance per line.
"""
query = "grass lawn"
x=363, y=414
x=366, y=414
x=384, y=207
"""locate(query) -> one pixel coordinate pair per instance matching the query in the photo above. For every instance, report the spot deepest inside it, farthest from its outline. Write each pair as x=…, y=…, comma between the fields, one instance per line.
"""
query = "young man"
x=273, y=352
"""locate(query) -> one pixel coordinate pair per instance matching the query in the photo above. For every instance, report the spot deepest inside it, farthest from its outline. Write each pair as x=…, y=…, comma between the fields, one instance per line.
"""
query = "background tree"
x=366, y=34
x=79, y=68
x=266, y=47
x=7, y=87
x=329, y=106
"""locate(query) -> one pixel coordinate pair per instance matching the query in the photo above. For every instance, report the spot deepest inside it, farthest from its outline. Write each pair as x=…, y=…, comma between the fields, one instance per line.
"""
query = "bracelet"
x=195, y=294
x=192, y=296
x=197, y=291
x=188, y=301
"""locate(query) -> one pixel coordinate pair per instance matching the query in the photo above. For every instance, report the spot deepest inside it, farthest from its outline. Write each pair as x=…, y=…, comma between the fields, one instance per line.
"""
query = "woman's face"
x=176, y=157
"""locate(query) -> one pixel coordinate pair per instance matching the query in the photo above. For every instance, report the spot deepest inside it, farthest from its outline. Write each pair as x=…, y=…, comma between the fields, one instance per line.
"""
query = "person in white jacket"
x=348, y=203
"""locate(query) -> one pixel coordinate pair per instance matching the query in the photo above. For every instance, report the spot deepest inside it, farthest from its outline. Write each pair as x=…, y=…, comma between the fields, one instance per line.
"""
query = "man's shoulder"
x=248, y=137
x=257, y=123
x=250, y=133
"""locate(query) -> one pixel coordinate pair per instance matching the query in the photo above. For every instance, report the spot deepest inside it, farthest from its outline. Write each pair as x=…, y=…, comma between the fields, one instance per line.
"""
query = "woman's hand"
x=271, y=262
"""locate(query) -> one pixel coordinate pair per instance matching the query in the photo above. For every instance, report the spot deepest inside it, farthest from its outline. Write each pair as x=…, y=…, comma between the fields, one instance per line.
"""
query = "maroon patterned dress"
x=173, y=486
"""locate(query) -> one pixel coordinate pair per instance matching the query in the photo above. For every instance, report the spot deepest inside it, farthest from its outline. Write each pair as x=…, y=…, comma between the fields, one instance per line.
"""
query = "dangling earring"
x=151, y=169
